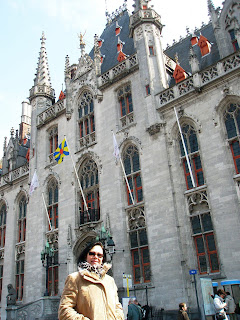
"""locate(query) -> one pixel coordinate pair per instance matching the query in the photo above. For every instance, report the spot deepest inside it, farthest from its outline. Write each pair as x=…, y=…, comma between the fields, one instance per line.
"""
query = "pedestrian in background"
x=219, y=304
x=230, y=306
x=134, y=310
x=182, y=313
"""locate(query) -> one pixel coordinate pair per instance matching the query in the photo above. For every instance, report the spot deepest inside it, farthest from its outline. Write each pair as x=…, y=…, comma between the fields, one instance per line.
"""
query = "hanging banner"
x=207, y=291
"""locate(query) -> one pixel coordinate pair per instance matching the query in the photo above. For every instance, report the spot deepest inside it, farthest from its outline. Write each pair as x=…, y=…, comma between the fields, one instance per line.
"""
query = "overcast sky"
x=22, y=23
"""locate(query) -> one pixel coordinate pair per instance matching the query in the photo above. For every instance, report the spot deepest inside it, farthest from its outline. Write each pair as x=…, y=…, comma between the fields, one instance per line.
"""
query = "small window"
x=147, y=90
x=234, y=40
x=53, y=140
x=151, y=51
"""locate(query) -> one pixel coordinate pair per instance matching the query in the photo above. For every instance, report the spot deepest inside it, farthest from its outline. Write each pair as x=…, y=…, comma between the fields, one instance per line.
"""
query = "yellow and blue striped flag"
x=61, y=151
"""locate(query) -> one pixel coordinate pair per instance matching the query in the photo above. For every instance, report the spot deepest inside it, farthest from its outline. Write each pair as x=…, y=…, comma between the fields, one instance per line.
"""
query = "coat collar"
x=94, y=276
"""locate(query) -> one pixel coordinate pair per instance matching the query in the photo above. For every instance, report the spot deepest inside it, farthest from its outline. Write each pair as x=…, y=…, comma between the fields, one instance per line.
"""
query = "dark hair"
x=83, y=255
x=220, y=292
x=181, y=305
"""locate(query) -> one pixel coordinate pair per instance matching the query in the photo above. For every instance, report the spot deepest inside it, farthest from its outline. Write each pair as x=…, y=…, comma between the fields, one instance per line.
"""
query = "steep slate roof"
x=109, y=46
x=182, y=49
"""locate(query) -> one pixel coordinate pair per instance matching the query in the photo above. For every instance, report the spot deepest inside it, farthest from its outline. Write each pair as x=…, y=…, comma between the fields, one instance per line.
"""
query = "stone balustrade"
x=198, y=80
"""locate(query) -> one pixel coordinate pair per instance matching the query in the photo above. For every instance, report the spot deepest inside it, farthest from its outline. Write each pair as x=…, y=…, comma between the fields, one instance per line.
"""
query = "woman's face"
x=95, y=256
x=185, y=307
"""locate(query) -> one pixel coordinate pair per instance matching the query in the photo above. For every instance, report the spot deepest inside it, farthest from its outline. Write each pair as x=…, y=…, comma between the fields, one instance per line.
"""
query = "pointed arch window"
x=192, y=147
x=53, y=203
x=133, y=173
x=234, y=41
x=53, y=272
x=232, y=124
x=88, y=176
x=19, y=278
x=53, y=140
x=22, y=213
x=203, y=233
x=139, y=245
x=126, y=104
x=3, y=222
x=86, y=121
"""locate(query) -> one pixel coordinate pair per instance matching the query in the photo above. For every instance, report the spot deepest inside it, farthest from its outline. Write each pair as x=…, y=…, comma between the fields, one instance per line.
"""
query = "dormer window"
x=121, y=56
x=179, y=74
x=119, y=47
x=100, y=42
x=234, y=40
x=204, y=45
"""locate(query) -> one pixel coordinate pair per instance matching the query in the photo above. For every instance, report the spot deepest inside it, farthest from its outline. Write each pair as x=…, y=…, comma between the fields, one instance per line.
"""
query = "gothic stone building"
x=183, y=209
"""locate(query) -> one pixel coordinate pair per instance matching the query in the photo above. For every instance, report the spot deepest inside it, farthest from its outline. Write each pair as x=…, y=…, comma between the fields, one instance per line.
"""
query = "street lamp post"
x=46, y=257
x=106, y=238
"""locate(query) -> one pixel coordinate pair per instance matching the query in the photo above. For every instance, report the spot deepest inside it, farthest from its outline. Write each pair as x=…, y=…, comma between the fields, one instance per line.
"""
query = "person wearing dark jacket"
x=182, y=313
x=134, y=310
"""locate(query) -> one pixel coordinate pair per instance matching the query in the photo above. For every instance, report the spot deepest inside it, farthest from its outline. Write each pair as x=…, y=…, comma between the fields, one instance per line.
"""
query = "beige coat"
x=87, y=297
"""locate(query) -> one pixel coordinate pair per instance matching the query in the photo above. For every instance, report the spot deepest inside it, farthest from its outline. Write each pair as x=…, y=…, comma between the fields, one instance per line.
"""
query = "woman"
x=219, y=304
x=90, y=294
x=182, y=313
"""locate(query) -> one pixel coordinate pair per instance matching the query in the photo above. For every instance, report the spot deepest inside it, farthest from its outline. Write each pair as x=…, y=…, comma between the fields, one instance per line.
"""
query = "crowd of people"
x=91, y=294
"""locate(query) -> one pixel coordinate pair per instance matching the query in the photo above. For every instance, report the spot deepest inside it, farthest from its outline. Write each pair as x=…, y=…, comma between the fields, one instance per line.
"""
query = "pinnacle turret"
x=140, y=4
x=42, y=75
x=42, y=82
x=211, y=7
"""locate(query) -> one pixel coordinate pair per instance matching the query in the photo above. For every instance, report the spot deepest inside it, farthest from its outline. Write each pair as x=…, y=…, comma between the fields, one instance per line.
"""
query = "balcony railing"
x=199, y=79
x=92, y=215
x=51, y=113
x=119, y=70
x=9, y=177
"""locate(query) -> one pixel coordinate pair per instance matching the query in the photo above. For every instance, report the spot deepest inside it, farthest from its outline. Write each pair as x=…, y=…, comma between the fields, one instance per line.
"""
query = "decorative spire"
x=193, y=61
x=42, y=75
x=42, y=82
x=67, y=68
x=211, y=7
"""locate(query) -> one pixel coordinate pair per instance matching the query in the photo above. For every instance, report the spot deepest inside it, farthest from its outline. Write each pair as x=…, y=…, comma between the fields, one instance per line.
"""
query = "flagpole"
x=47, y=212
x=84, y=200
x=130, y=192
x=185, y=150
x=117, y=155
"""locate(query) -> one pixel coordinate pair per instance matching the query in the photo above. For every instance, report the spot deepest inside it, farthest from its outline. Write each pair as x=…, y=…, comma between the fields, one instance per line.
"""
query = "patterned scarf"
x=98, y=269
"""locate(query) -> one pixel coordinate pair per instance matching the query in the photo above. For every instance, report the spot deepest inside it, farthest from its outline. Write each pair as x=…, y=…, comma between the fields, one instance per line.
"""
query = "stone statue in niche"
x=12, y=295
